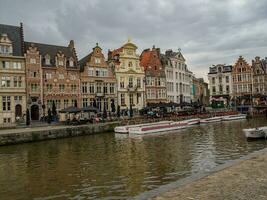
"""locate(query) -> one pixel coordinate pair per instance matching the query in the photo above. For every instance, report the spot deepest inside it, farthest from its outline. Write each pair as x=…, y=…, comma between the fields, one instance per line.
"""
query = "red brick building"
x=52, y=74
x=155, y=76
x=98, y=83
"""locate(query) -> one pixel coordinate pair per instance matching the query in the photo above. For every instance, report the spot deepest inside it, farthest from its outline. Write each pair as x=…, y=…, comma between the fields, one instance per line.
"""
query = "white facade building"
x=178, y=77
x=220, y=82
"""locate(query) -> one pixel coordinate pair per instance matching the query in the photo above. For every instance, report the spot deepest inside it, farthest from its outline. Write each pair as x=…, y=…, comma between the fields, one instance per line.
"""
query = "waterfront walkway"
x=242, y=180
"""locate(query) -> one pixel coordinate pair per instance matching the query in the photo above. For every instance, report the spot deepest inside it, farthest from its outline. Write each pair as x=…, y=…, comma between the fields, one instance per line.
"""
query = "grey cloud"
x=208, y=31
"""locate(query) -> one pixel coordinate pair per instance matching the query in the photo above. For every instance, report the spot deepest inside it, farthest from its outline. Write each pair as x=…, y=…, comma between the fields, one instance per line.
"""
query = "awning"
x=71, y=109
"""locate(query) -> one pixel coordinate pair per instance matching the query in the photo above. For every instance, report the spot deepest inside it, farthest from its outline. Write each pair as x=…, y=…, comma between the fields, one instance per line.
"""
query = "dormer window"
x=47, y=60
x=71, y=63
x=4, y=49
x=5, y=45
x=60, y=63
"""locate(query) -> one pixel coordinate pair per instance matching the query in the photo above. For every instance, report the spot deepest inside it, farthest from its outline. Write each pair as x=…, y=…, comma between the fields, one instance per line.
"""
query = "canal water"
x=109, y=166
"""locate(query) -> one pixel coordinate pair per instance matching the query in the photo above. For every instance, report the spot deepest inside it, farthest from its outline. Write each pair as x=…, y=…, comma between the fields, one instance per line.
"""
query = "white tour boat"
x=158, y=128
x=234, y=117
x=211, y=120
x=192, y=121
x=256, y=133
x=125, y=129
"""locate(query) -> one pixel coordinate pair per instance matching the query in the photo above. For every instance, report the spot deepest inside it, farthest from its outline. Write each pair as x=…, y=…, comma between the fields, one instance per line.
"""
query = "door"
x=34, y=112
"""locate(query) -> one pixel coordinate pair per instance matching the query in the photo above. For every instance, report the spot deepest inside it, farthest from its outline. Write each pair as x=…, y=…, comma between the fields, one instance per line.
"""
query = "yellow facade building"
x=129, y=75
x=12, y=76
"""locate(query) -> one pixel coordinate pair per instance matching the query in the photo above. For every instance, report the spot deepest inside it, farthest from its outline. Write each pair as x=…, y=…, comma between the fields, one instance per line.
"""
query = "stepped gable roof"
x=15, y=34
x=53, y=50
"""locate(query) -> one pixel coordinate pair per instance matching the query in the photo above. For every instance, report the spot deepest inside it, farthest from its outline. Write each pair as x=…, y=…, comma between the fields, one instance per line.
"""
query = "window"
x=97, y=61
x=32, y=60
x=72, y=77
x=47, y=60
x=97, y=72
x=85, y=102
x=122, y=99
x=48, y=75
x=16, y=65
x=227, y=88
x=66, y=103
x=34, y=74
x=61, y=76
x=73, y=88
x=214, y=89
x=5, y=65
x=91, y=88
x=130, y=64
x=61, y=88
x=90, y=71
x=121, y=82
x=5, y=49
x=5, y=81
x=17, y=81
x=34, y=87
x=6, y=103
x=98, y=87
x=221, y=88
x=73, y=102
x=49, y=87
x=58, y=102
x=227, y=79
x=239, y=77
x=219, y=69
x=7, y=120
x=60, y=63
x=71, y=63
x=84, y=87
x=112, y=88
x=130, y=82
x=131, y=99
x=138, y=83
x=17, y=98
x=105, y=88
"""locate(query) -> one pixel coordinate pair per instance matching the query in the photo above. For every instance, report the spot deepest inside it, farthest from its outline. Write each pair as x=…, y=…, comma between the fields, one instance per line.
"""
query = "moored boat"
x=256, y=133
x=158, y=128
x=125, y=129
x=192, y=121
x=234, y=117
x=211, y=120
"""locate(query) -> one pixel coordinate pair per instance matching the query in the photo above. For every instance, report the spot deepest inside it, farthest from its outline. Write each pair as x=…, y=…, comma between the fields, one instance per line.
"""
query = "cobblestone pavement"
x=246, y=180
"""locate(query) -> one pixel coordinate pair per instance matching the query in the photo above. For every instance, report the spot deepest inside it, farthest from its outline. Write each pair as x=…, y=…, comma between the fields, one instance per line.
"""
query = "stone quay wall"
x=16, y=136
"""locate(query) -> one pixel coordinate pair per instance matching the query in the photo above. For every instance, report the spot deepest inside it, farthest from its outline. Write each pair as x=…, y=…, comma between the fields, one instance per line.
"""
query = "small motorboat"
x=256, y=133
x=192, y=121
x=125, y=129
x=211, y=120
x=234, y=117
x=158, y=128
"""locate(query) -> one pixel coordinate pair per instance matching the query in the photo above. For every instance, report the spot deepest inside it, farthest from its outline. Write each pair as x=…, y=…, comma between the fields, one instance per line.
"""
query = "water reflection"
x=117, y=167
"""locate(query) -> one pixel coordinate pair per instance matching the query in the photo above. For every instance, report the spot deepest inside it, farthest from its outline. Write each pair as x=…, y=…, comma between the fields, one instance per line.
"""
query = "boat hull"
x=256, y=133
x=125, y=129
x=158, y=128
x=211, y=120
x=234, y=117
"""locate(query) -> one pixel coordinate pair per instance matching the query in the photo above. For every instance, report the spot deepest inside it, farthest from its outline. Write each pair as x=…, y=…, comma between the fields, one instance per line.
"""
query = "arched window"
x=219, y=69
x=130, y=64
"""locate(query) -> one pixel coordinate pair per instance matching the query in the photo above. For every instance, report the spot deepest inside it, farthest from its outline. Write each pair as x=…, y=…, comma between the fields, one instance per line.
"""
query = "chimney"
x=71, y=44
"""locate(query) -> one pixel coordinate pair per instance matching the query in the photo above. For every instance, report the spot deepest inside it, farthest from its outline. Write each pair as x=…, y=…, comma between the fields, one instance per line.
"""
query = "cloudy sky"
x=208, y=31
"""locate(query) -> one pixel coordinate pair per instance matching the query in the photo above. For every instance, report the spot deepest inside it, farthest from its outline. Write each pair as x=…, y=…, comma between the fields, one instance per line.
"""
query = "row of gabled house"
x=36, y=75
x=240, y=85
